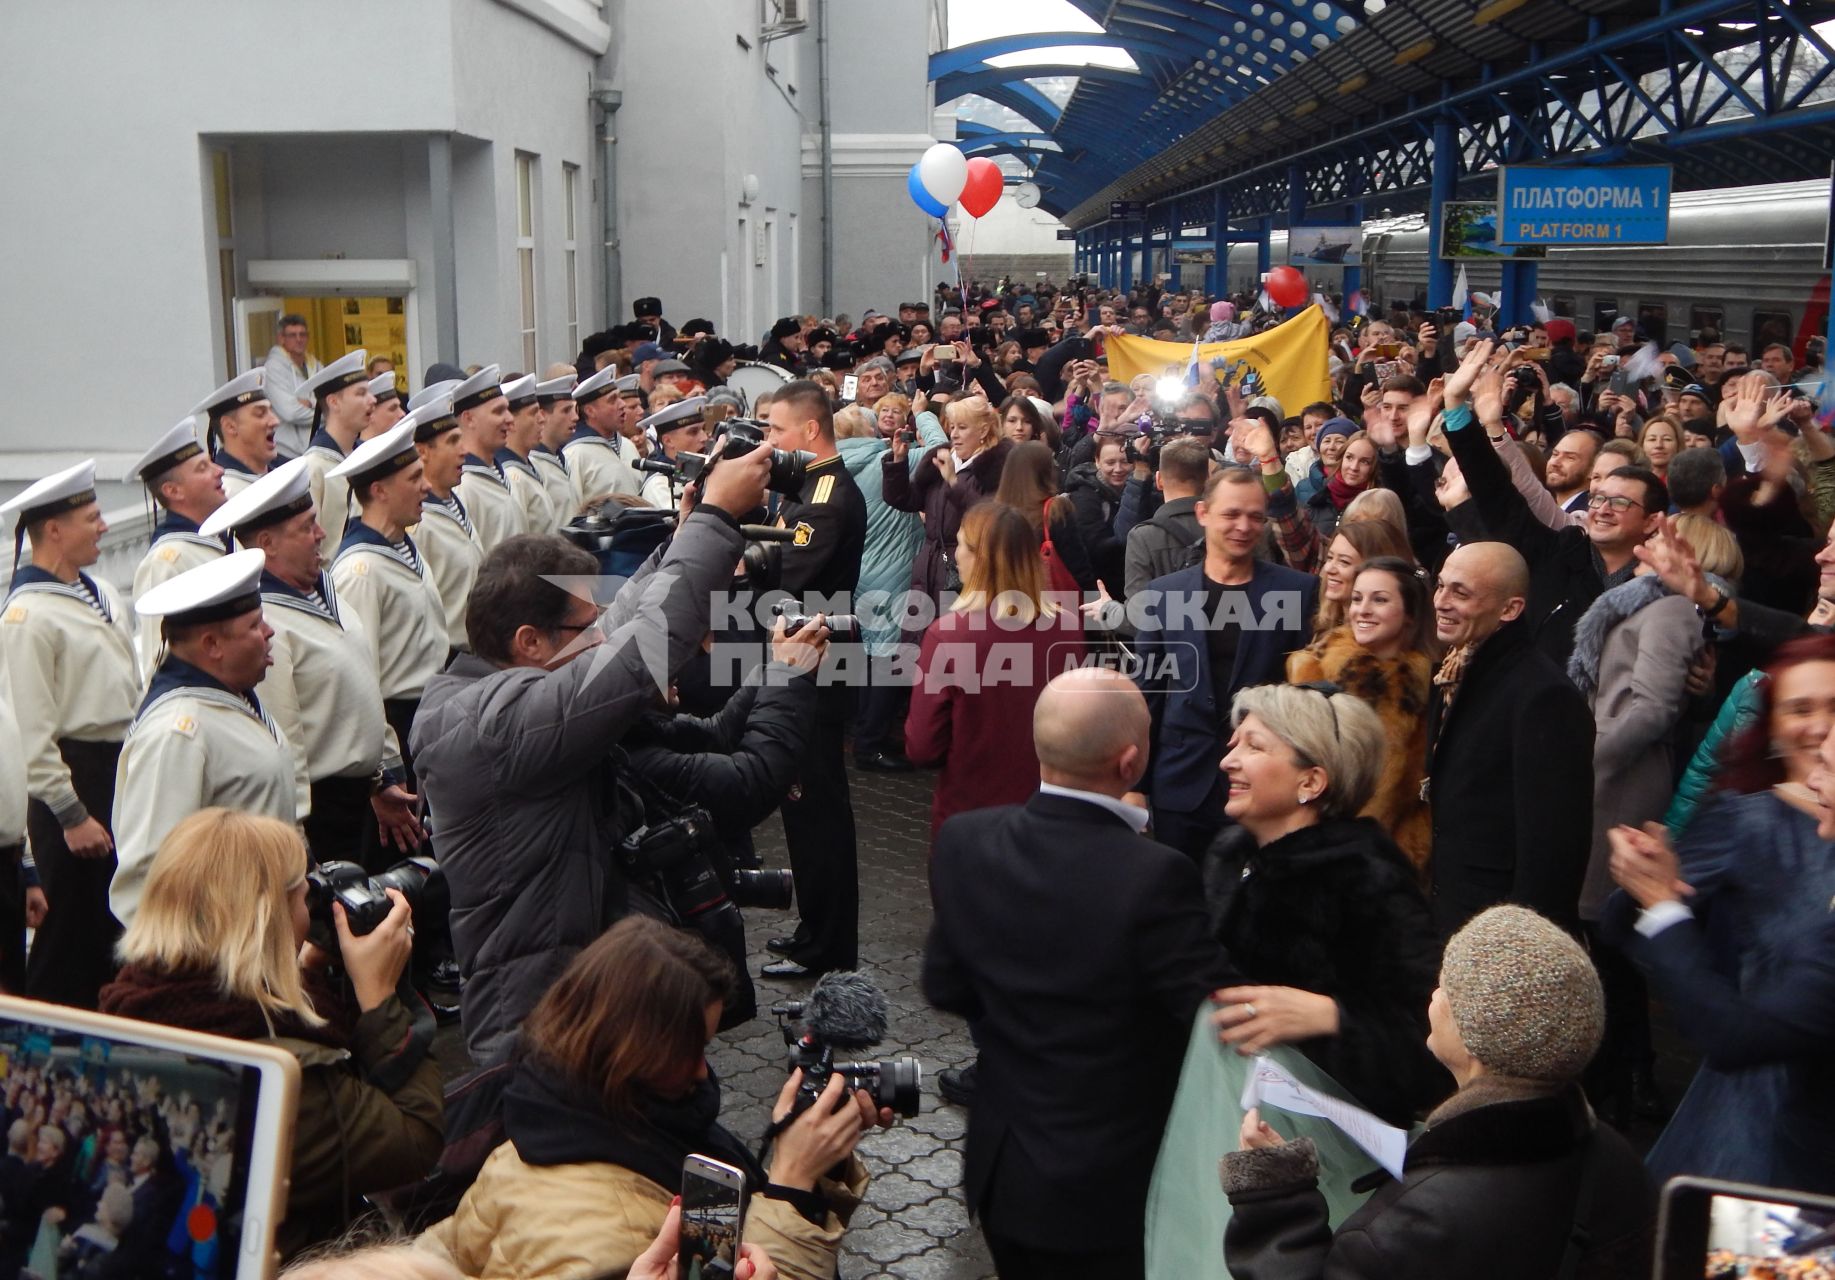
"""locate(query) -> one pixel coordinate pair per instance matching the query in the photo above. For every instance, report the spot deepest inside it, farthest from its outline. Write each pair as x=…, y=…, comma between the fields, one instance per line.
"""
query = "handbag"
x=1058, y=576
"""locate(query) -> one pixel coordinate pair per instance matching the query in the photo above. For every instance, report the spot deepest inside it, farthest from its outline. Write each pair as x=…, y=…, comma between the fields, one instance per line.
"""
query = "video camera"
x=675, y=857
x=847, y=1011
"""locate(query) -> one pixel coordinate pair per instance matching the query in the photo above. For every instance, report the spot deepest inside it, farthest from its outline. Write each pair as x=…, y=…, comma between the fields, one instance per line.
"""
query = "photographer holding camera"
x=513, y=743
x=216, y=946
x=611, y=1090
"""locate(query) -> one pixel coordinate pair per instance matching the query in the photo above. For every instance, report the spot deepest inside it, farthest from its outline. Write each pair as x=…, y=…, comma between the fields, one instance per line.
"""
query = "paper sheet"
x=1268, y=1085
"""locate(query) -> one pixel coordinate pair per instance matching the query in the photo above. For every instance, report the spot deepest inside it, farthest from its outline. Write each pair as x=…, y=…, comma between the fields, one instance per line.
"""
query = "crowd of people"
x=1434, y=729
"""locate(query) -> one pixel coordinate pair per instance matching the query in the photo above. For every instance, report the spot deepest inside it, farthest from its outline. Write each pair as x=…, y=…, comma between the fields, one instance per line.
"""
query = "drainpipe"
x=607, y=101
x=828, y=161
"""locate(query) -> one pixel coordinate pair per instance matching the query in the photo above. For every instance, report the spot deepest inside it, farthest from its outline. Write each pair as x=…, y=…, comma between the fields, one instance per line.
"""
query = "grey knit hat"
x=1524, y=995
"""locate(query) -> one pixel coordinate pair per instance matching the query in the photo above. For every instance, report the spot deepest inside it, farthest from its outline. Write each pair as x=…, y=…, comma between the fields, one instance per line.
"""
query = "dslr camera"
x=736, y=438
x=676, y=857
x=365, y=897
x=890, y=1082
x=843, y=628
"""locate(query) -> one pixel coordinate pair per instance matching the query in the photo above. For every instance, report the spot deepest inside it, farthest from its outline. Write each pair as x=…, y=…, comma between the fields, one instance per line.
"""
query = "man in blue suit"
x=1205, y=632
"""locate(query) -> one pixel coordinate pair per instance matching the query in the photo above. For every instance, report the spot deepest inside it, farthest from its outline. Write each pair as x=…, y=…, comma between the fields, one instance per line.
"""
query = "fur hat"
x=1524, y=996
x=785, y=327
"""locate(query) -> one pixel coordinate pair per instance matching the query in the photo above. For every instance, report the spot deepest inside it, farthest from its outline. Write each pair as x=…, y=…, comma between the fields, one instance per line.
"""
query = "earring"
x=1304, y=797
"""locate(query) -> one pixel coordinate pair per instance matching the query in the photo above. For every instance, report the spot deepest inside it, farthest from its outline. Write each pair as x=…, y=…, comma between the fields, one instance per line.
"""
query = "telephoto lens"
x=769, y=889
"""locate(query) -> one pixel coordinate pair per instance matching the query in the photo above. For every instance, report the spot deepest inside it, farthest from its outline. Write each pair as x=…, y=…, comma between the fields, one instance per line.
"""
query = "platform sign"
x=1067, y=233
x=1119, y=209
x=1595, y=205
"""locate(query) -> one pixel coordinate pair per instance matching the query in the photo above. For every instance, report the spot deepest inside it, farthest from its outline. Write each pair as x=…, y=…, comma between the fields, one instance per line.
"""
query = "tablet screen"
x=121, y=1160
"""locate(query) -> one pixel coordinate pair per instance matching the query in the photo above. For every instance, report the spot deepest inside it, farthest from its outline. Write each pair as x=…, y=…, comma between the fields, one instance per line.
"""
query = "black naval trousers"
x=12, y=920
x=819, y=829
x=73, y=953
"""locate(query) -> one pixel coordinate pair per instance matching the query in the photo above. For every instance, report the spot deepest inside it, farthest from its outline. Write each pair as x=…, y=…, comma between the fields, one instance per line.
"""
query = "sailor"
x=677, y=429
x=598, y=457
x=188, y=486
x=321, y=688
x=21, y=903
x=382, y=580
x=388, y=407
x=554, y=399
x=341, y=400
x=239, y=430
x=201, y=736
x=515, y=459
x=68, y=656
x=484, y=425
x=446, y=538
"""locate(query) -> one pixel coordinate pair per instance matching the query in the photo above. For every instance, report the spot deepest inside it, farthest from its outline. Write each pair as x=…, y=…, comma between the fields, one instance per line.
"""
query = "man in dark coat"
x=1095, y=492
x=1080, y=1056
x=1509, y=751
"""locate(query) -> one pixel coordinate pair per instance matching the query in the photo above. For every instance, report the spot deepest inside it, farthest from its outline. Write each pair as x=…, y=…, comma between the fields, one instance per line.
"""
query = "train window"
x=1653, y=317
x=1605, y=310
x=1706, y=324
x=1563, y=305
x=1769, y=327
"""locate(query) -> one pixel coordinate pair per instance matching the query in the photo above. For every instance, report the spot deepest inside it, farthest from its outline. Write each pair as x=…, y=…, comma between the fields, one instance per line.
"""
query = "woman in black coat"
x=947, y=482
x=1513, y=1178
x=1318, y=906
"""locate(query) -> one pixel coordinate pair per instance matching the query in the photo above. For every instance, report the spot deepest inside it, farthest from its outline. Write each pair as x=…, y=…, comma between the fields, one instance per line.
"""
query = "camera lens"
x=767, y=888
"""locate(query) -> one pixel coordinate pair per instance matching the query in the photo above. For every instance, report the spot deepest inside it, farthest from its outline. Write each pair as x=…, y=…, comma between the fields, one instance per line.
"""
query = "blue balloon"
x=922, y=198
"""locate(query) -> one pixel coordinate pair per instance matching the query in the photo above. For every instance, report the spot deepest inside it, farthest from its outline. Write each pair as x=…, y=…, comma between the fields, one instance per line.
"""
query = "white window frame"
x=570, y=190
x=527, y=292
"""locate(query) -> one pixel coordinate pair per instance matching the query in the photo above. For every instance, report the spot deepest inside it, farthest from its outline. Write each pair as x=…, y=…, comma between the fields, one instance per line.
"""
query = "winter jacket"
x=1493, y=1187
x=1737, y=712
x=921, y=489
x=1095, y=504
x=893, y=536
x=1172, y=539
x=1397, y=690
x=1337, y=910
x=516, y=767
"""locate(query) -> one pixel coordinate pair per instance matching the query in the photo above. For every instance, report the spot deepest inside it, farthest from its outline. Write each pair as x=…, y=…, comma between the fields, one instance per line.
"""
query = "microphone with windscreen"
x=845, y=1010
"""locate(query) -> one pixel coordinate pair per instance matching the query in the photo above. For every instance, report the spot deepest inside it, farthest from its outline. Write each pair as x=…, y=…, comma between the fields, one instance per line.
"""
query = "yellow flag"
x=1289, y=357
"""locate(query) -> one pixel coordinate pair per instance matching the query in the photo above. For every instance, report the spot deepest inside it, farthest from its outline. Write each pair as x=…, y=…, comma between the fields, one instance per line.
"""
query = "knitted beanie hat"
x=1524, y=996
x=1333, y=427
x=1222, y=312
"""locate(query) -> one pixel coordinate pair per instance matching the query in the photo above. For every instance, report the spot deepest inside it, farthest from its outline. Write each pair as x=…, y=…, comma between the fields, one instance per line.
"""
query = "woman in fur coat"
x=1381, y=653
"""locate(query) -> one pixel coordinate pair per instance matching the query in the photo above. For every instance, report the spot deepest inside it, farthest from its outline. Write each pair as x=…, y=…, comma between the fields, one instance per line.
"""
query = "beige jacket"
x=397, y=611
x=495, y=513
x=556, y=1222
x=558, y=483
x=600, y=466
x=452, y=554
x=538, y=514
x=170, y=555
x=331, y=495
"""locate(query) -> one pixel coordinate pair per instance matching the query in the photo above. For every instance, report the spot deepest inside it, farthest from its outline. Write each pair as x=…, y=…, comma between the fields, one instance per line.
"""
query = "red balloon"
x=1287, y=286
x=982, y=190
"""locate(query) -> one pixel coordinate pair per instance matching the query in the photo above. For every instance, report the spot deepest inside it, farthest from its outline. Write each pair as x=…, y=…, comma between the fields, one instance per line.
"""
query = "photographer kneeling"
x=611, y=1090
x=513, y=743
x=216, y=947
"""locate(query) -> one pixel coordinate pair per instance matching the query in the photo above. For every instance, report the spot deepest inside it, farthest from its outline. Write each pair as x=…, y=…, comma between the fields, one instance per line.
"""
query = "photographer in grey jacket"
x=514, y=742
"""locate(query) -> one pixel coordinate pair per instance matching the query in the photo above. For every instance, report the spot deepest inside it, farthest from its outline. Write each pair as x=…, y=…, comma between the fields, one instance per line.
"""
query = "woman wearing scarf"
x=1356, y=474
x=1329, y=444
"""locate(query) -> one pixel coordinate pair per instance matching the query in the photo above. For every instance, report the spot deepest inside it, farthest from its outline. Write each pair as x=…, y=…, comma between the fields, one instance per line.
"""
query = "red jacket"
x=971, y=708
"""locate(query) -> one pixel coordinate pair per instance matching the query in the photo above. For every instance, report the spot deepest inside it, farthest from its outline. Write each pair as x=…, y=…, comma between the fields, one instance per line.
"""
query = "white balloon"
x=944, y=172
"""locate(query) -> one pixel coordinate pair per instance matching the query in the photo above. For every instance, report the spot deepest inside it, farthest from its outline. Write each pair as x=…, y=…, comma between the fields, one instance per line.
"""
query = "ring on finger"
x=1249, y=1009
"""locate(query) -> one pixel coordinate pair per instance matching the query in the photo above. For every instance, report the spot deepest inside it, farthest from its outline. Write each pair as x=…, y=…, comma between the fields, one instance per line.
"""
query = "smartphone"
x=713, y=1214
x=850, y=387
x=1706, y=1227
x=220, y=1111
x=1383, y=350
x=1538, y=354
x=947, y=354
x=908, y=435
x=1387, y=369
x=1621, y=382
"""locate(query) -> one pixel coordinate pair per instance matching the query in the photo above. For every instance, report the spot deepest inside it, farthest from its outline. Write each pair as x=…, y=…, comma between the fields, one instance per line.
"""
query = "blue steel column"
x=1127, y=256
x=1217, y=280
x=1518, y=291
x=1264, y=260
x=1442, y=185
x=1353, y=276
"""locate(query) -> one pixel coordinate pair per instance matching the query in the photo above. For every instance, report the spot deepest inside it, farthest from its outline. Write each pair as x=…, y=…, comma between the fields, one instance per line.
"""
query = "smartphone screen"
x=850, y=387
x=1724, y=1229
x=713, y=1209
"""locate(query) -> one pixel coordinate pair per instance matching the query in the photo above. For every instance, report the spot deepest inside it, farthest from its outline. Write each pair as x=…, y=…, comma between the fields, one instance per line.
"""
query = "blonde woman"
x=217, y=947
x=948, y=480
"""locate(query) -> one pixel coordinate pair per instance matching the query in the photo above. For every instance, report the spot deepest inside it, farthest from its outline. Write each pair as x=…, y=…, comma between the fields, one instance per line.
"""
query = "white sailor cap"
x=232, y=395
x=180, y=444
x=345, y=371
x=381, y=456
x=675, y=416
x=225, y=587
x=281, y=494
x=382, y=386
x=480, y=388
x=599, y=384
x=520, y=392
x=432, y=391
x=630, y=385
x=434, y=417
x=69, y=489
x=555, y=388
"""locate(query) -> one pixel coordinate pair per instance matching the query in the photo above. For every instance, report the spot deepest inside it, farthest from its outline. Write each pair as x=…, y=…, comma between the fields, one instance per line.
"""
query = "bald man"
x=1079, y=951
x=1510, y=751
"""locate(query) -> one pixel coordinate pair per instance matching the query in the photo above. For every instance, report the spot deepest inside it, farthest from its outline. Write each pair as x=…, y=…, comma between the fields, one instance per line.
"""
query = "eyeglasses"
x=1598, y=500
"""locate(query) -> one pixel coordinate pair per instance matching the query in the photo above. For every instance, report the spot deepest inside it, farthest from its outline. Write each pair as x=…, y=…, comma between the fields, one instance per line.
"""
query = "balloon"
x=982, y=190
x=920, y=197
x=943, y=169
x=1286, y=286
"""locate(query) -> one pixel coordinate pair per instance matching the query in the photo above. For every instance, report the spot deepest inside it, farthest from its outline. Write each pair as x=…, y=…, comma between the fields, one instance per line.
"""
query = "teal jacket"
x=893, y=536
x=1738, y=712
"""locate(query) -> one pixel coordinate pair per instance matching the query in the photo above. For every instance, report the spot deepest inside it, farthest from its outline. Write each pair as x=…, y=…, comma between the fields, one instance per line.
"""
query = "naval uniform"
x=74, y=679
x=538, y=514
x=12, y=849
x=330, y=494
x=829, y=518
x=552, y=469
x=177, y=546
x=599, y=465
x=384, y=587
x=495, y=515
x=323, y=696
x=236, y=475
x=195, y=743
x=450, y=548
